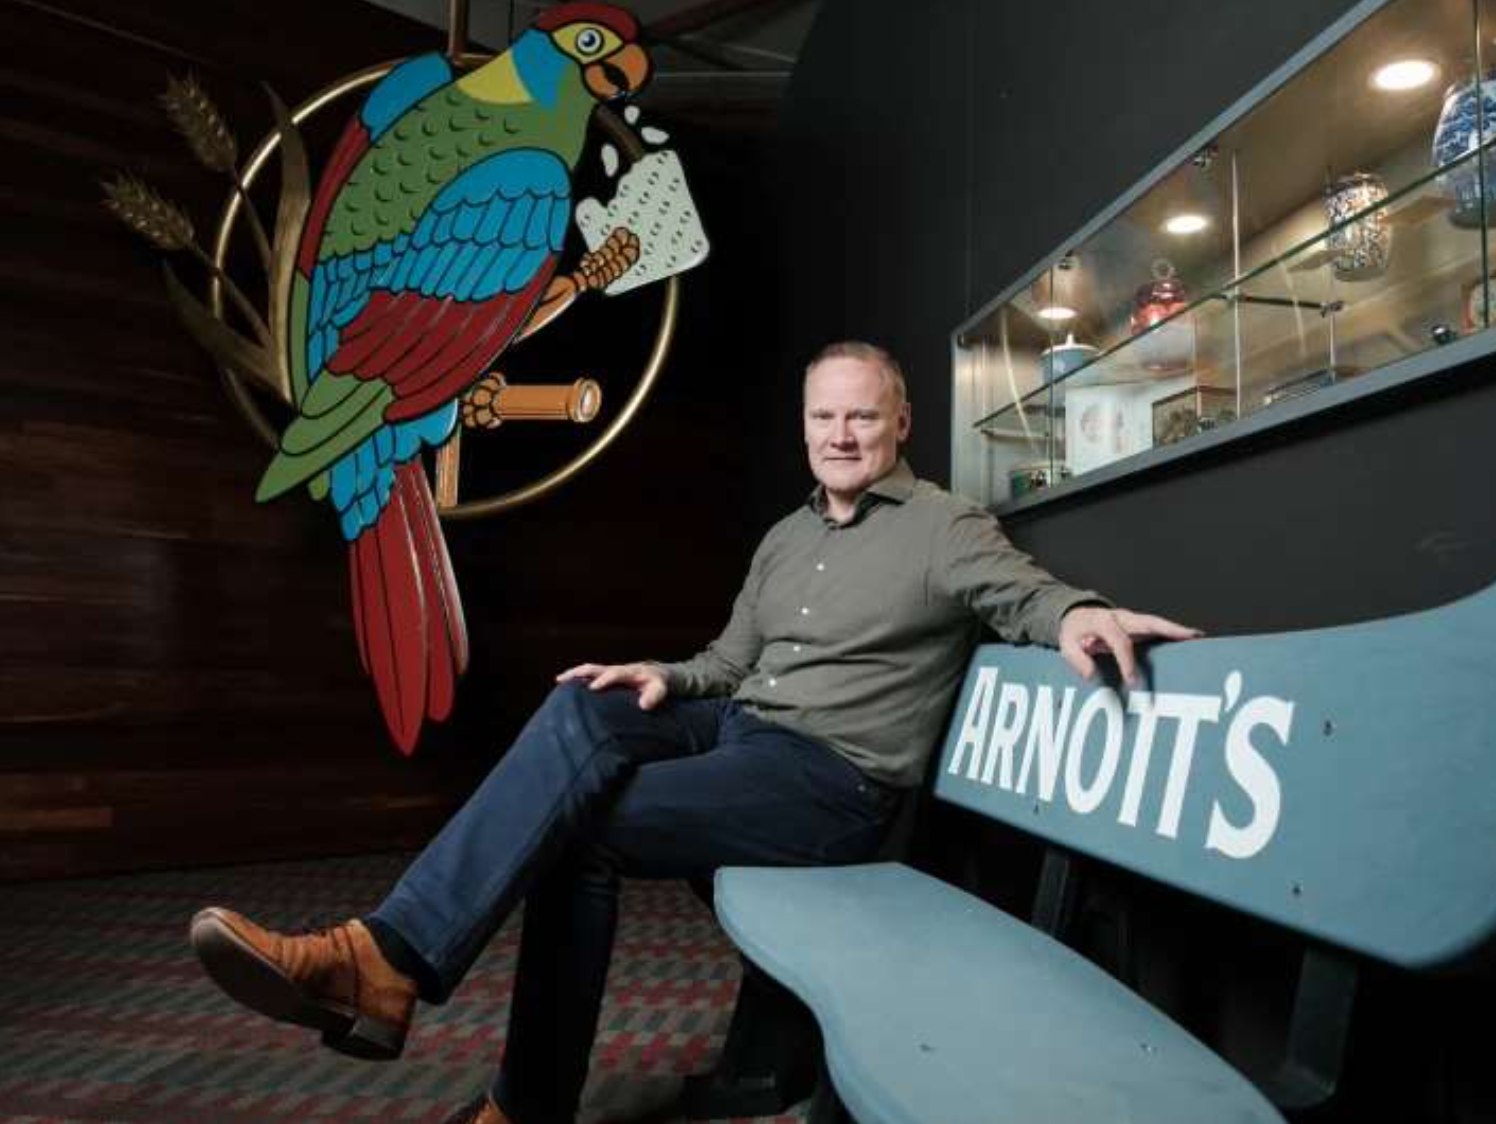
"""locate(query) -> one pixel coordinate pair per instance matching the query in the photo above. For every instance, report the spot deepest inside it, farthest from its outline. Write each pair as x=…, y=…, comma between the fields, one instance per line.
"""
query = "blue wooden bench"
x=1339, y=783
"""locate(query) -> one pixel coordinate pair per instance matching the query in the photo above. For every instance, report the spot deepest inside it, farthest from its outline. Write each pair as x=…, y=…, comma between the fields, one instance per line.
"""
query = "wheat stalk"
x=160, y=221
x=207, y=133
x=198, y=120
x=167, y=227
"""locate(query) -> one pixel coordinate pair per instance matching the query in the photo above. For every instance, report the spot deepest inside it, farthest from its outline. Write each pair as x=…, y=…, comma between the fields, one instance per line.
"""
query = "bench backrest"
x=1340, y=782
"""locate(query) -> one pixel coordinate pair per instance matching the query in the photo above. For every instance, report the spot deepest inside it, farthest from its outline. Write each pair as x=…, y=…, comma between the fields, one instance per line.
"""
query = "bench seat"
x=938, y=1008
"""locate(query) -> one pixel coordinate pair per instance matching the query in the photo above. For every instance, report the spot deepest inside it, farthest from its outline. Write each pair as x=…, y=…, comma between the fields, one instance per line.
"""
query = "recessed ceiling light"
x=1186, y=223
x=1056, y=312
x=1405, y=74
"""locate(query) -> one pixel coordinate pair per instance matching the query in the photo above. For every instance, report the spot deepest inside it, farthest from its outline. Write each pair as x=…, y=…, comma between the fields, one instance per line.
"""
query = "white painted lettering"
x=1007, y=725
x=1251, y=770
x=1087, y=798
x=1189, y=711
x=1139, y=703
x=973, y=734
x=1046, y=740
x=1058, y=736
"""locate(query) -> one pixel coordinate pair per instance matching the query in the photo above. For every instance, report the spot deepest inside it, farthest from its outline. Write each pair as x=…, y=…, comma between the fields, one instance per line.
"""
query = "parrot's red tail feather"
x=408, y=617
x=446, y=630
x=451, y=602
x=394, y=615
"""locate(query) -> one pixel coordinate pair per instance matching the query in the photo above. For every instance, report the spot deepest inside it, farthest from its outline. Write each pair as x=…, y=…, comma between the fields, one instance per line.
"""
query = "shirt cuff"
x=1054, y=613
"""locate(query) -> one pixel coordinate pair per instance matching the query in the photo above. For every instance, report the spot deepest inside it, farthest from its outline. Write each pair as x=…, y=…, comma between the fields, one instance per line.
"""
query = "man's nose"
x=841, y=433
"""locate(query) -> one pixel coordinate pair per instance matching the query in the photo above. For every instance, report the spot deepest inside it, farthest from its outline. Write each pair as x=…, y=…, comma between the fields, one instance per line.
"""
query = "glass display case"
x=1322, y=240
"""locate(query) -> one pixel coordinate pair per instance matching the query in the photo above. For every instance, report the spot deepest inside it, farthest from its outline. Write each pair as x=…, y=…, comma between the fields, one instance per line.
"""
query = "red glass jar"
x=1171, y=347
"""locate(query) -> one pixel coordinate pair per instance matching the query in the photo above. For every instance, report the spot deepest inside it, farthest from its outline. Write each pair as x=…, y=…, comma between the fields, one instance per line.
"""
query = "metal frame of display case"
x=1424, y=364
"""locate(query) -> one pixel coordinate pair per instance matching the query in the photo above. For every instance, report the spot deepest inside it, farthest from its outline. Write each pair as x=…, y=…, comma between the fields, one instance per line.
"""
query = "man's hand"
x=1087, y=630
x=645, y=678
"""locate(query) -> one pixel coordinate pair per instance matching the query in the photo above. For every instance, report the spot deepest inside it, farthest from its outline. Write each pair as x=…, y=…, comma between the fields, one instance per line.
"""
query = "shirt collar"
x=897, y=485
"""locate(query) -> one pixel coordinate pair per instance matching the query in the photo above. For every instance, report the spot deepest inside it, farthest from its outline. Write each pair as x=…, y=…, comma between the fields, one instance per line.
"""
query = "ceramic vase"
x=1058, y=361
x=1361, y=249
x=1457, y=134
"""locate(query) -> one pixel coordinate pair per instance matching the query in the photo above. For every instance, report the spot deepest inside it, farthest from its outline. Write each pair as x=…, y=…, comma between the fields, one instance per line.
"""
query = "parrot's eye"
x=589, y=41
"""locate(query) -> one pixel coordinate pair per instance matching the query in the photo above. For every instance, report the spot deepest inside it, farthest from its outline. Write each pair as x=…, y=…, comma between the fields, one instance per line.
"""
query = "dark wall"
x=872, y=209
x=178, y=681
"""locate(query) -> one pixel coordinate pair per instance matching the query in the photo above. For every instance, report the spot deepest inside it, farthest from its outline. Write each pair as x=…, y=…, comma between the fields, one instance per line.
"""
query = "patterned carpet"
x=105, y=1015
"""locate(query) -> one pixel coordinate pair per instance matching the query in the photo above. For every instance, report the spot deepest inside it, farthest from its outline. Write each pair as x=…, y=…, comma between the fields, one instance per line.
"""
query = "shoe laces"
x=335, y=931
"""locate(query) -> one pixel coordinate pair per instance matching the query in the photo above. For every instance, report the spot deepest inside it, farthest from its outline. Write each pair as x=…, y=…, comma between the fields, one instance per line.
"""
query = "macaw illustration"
x=430, y=246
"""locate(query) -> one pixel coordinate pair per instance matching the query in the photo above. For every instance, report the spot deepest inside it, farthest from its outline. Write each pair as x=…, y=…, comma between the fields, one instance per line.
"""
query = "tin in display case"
x=1196, y=409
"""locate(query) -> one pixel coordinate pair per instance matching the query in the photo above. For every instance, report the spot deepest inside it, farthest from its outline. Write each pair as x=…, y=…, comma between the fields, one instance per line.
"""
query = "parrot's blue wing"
x=427, y=312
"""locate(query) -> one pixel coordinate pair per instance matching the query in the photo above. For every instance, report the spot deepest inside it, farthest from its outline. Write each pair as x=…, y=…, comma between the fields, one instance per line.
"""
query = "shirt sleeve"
x=975, y=564
x=727, y=660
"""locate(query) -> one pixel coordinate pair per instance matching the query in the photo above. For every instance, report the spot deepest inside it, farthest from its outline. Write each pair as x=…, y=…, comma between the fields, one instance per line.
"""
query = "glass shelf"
x=1296, y=292
x=1338, y=228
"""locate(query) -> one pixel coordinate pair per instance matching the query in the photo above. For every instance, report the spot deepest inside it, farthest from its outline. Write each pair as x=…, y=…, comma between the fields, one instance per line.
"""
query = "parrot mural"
x=430, y=245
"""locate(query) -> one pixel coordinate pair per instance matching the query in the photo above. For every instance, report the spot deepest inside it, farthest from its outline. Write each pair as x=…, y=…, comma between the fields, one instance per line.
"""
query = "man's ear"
x=906, y=421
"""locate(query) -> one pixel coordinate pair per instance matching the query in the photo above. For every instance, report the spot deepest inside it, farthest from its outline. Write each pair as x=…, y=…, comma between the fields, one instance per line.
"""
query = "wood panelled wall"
x=178, y=683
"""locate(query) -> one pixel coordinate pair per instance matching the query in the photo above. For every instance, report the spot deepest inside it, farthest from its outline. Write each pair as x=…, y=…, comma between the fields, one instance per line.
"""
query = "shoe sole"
x=250, y=978
x=372, y=1040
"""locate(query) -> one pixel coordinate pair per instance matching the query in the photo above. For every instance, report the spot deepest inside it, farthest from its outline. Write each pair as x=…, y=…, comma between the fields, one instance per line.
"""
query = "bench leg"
x=1318, y=1031
x=768, y=1061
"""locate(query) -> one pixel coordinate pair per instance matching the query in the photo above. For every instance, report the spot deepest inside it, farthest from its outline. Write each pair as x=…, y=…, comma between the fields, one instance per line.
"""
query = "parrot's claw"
x=480, y=404
x=599, y=268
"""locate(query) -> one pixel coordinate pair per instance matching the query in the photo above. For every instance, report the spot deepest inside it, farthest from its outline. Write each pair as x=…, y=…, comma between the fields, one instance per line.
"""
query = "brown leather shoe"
x=480, y=1111
x=335, y=981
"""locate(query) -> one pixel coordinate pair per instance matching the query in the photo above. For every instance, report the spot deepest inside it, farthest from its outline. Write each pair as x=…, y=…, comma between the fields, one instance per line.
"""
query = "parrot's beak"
x=623, y=72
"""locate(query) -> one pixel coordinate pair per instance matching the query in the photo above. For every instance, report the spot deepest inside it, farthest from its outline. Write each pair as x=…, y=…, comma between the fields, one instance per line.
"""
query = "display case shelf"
x=1231, y=283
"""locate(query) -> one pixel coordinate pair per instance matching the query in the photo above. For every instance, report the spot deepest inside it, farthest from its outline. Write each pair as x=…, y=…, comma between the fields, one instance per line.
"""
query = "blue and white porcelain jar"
x=1458, y=134
x=1362, y=248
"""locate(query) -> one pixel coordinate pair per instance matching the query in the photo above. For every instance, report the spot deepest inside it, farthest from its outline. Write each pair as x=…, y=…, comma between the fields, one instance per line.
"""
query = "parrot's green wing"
x=338, y=412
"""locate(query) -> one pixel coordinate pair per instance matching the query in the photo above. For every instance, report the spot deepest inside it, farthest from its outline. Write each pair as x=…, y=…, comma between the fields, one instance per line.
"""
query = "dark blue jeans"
x=593, y=789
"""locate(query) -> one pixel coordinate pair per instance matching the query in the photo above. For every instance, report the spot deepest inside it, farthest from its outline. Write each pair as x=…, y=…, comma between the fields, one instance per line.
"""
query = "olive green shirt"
x=858, y=633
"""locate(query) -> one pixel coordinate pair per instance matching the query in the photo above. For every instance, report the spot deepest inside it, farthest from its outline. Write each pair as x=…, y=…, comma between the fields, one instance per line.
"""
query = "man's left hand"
x=1088, y=630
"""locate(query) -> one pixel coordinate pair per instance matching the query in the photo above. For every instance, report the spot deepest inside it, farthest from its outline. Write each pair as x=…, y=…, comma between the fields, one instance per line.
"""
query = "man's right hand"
x=645, y=678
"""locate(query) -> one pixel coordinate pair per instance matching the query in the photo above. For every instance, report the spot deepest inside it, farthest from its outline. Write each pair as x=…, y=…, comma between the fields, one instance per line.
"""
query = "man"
x=789, y=740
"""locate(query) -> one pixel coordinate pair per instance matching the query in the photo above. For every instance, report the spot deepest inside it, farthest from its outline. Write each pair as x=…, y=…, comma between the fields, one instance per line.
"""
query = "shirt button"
x=773, y=682
x=805, y=610
x=820, y=565
x=796, y=648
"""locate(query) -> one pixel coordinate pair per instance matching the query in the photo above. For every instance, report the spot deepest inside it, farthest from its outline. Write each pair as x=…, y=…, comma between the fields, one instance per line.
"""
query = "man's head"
x=856, y=416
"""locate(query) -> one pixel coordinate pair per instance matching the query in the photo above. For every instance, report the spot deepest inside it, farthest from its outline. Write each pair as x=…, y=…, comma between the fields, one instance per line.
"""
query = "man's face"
x=854, y=422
